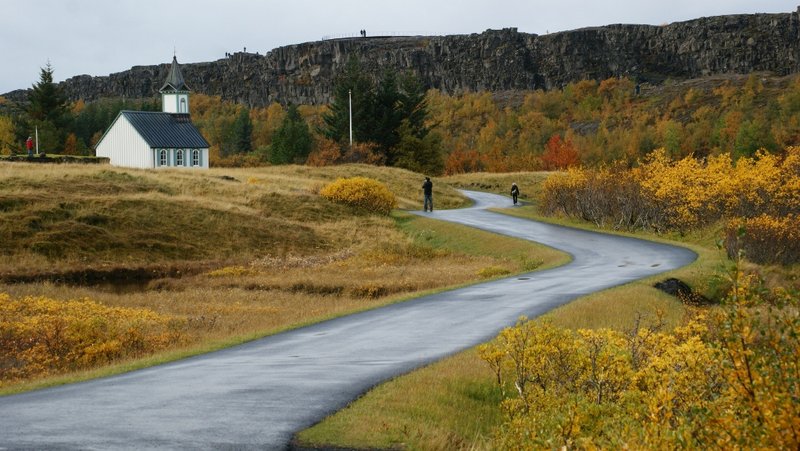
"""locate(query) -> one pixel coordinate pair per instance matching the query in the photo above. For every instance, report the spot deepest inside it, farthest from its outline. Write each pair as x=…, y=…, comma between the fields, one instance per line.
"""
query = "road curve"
x=255, y=396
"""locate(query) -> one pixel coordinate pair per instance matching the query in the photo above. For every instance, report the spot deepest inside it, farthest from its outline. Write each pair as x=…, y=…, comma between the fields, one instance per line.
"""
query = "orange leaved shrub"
x=664, y=194
x=765, y=239
x=728, y=379
x=41, y=337
x=360, y=192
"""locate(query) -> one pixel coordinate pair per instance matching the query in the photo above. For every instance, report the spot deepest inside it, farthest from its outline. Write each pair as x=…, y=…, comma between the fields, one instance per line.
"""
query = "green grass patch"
x=450, y=404
x=523, y=254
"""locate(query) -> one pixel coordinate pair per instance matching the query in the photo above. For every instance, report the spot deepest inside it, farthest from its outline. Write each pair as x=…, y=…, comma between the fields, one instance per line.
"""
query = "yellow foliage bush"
x=41, y=336
x=361, y=192
x=664, y=194
x=765, y=239
x=727, y=380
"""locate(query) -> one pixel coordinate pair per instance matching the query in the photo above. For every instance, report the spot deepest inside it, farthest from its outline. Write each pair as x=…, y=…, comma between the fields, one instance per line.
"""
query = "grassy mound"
x=73, y=216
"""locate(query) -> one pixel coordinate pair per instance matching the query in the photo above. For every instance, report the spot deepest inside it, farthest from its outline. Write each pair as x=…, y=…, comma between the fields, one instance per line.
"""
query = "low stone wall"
x=53, y=159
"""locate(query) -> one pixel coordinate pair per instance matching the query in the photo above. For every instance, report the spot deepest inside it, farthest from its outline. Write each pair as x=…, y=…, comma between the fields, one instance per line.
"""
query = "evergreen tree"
x=352, y=81
x=387, y=117
x=47, y=100
x=242, y=132
x=384, y=116
x=292, y=141
x=47, y=112
x=413, y=105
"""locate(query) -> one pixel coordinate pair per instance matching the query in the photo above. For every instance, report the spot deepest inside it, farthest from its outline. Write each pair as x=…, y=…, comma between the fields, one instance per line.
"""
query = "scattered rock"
x=682, y=291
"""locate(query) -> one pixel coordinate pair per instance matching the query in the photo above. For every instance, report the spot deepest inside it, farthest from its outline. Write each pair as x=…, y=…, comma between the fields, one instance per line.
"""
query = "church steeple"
x=174, y=92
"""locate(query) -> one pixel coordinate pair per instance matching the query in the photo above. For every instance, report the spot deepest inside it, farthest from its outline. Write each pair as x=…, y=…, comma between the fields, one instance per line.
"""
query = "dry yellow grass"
x=73, y=216
x=270, y=254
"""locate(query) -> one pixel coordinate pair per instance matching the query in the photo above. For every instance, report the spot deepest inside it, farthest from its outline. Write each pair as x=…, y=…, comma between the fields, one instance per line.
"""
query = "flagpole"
x=350, y=100
x=37, y=139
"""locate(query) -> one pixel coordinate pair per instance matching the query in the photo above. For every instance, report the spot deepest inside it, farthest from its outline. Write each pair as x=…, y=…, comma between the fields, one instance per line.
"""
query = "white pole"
x=350, y=99
x=37, y=139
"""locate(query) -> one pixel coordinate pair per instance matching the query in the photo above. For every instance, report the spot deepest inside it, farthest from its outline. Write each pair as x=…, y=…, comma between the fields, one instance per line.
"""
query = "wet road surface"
x=255, y=396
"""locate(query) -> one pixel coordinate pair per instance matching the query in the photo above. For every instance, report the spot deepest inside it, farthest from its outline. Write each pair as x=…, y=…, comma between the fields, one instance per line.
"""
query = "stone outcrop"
x=495, y=60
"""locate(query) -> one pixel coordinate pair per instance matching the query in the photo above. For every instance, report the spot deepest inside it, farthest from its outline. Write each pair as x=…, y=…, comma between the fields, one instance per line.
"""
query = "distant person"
x=514, y=192
x=427, y=189
x=29, y=146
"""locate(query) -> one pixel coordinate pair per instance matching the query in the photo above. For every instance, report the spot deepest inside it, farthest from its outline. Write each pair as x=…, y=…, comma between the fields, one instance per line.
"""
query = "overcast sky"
x=100, y=37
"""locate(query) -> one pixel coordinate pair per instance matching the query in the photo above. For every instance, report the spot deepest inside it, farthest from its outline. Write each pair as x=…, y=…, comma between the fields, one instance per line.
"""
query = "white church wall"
x=123, y=145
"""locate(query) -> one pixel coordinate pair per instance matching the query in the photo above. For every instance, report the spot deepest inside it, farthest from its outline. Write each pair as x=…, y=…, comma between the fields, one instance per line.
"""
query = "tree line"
x=396, y=122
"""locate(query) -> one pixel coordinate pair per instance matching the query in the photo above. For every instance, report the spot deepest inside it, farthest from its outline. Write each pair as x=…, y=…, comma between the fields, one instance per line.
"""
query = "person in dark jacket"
x=427, y=189
x=514, y=192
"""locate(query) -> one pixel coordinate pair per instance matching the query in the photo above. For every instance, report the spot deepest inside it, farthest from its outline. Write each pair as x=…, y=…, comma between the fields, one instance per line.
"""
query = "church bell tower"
x=174, y=92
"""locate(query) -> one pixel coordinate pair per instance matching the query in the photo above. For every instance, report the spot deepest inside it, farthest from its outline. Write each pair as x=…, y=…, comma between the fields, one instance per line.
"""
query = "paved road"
x=255, y=396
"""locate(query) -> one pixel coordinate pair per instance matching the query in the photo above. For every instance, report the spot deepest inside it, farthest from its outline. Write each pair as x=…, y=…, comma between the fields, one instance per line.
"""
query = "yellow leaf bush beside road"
x=727, y=379
x=361, y=192
x=41, y=336
x=662, y=194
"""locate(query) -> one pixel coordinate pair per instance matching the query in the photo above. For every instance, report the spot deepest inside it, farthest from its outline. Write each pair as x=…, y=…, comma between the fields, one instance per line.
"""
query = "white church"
x=148, y=139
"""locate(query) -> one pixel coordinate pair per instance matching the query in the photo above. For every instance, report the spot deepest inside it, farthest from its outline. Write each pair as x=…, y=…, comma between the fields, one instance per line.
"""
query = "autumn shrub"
x=330, y=153
x=663, y=194
x=765, y=239
x=607, y=196
x=360, y=192
x=727, y=379
x=559, y=154
x=41, y=336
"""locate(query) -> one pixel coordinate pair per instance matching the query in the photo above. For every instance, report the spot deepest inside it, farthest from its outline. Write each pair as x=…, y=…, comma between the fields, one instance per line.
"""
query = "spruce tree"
x=47, y=112
x=387, y=117
x=413, y=105
x=292, y=141
x=351, y=82
x=242, y=132
x=47, y=100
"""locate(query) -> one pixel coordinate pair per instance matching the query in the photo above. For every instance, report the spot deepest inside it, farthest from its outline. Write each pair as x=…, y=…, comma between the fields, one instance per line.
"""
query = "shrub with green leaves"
x=360, y=192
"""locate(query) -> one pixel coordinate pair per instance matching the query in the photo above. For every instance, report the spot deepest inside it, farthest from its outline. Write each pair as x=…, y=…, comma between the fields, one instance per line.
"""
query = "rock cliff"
x=495, y=60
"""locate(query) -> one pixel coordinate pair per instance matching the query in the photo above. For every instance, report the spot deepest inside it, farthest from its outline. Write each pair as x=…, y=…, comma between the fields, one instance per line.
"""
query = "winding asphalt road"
x=255, y=396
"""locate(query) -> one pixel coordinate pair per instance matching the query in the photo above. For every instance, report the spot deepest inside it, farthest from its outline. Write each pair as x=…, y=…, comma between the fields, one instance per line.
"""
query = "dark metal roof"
x=166, y=130
x=175, y=78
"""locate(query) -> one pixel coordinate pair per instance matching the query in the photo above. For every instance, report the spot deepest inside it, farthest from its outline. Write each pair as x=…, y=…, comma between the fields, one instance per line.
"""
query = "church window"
x=195, y=158
x=162, y=158
x=179, y=158
x=183, y=108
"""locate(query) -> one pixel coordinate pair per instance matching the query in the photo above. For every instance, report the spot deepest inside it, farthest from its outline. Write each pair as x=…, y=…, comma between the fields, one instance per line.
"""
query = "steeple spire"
x=175, y=78
x=174, y=92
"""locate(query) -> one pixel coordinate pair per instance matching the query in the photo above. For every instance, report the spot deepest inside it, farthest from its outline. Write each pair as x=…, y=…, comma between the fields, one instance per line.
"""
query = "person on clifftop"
x=427, y=189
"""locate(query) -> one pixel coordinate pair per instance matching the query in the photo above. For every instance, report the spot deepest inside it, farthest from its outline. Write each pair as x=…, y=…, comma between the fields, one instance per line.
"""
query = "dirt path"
x=258, y=394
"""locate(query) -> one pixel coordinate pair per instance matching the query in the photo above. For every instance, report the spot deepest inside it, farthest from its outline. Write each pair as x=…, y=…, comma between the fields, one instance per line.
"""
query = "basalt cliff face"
x=495, y=60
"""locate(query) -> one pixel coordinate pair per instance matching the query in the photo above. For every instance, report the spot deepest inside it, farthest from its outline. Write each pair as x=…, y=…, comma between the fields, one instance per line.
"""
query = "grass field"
x=236, y=254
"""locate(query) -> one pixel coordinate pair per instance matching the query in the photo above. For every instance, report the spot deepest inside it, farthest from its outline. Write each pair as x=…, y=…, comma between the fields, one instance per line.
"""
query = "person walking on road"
x=29, y=146
x=427, y=189
x=514, y=192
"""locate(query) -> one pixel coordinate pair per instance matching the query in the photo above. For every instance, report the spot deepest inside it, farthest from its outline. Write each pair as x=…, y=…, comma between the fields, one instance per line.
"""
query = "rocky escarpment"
x=495, y=60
